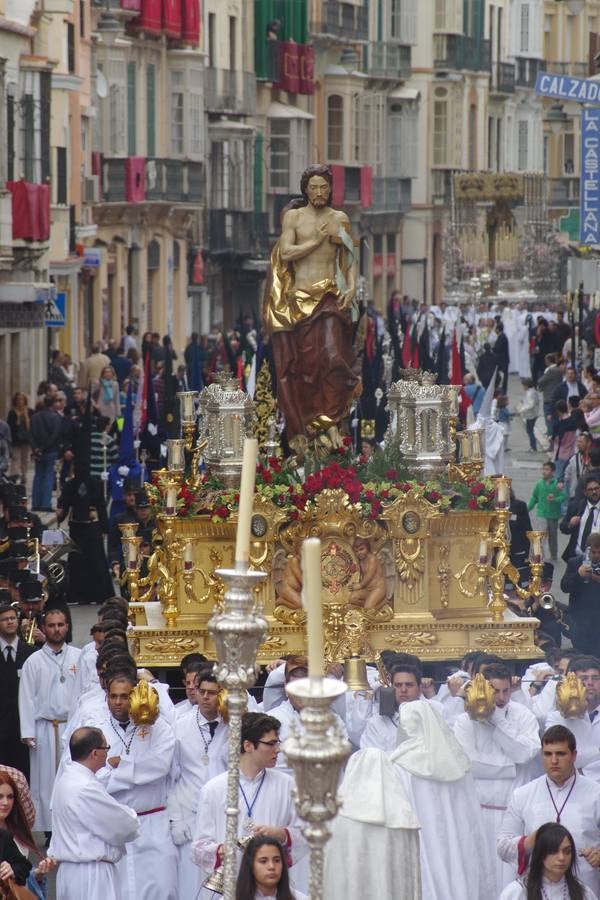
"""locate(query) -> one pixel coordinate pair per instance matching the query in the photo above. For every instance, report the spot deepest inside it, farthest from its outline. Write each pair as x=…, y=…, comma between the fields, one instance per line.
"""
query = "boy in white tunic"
x=46, y=694
x=502, y=750
x=382, y=731
x=587, y=727
x=89, y=828
x=561, y=795
x=137, y=773
x=201, y=753
x=265, y=800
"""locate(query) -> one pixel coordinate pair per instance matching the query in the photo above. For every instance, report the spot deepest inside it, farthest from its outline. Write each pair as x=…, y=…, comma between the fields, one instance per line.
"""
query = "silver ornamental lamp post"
x=318, y=751
x=238, y=631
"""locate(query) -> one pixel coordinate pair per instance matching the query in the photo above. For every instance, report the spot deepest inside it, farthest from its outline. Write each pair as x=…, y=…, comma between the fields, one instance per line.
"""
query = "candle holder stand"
x=316, y=754
x=237, y=631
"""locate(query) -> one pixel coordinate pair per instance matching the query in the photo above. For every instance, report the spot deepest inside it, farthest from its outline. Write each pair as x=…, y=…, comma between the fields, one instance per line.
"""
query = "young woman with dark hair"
x=14, y=821
x=552, y=871
x=264, y=872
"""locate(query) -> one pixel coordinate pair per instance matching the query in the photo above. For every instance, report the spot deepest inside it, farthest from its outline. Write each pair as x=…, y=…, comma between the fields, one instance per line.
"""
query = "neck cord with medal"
x=248, y=823
x=206, y=743
x=565, y=895
x=126, y=744
x=556, y=809
x=59, y=665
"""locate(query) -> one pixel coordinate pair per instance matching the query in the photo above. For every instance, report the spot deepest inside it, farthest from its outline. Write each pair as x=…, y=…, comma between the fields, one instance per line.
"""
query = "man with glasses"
x=581, y=582
x=265, y=802
x=13, y=653
x=582, y=518
x=201, y=753
x=89, y=827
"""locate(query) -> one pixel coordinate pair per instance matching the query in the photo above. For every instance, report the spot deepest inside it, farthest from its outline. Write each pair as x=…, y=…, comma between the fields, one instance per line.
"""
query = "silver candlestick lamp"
x=316, y=753
x=238, y=631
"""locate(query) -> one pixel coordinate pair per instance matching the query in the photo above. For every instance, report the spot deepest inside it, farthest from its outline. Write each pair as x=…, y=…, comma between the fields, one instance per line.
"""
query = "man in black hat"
x=31, y=600
x=13, y=653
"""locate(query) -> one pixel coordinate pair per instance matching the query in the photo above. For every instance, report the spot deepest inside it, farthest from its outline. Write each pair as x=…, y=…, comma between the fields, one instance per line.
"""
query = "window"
x=569, y=153
x=335, y=126
x=131, y=109
x=279, y=153
x=194, y=118
x=524, y=39
x=522, y=145
x=212, y=25
x=70, y=47
x=10, y=134
x=82, y=18
x=472, y=138
x=28, y=141
x=61, y=176
x=116, y=112
x=177, y=96
x=232, y=43
x=440, y=128
x=150, y=110
x=395, y=18
x=402, y=140
x=45, y=95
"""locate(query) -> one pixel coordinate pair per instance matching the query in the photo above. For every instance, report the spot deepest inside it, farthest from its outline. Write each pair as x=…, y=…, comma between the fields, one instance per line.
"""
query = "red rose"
x=405, y=487
x=434, y=496
x=369, y=496
x=267, y=477
x=294, y=514
x=222, y=512
x=472, y=504
x=384, y=494
x=347, y=441
x=391, y=475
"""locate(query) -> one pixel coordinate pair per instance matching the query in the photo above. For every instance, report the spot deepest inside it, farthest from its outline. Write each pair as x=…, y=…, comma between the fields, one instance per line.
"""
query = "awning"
x=285, y=111
x=404, y=93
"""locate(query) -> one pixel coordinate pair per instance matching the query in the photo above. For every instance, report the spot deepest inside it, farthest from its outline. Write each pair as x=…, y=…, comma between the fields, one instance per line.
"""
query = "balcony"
x=563, y=192
x=388, y=61
x=391, y=195
x=230, y=91
x=574, y=69
x=527, y=71
x=503, y=78
x=163, y=181
x=455, y=51
x=343, y=20
x=231, y=232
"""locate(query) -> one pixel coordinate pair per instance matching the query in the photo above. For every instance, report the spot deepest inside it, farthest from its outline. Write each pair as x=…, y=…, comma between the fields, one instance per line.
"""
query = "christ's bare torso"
x=305, y=242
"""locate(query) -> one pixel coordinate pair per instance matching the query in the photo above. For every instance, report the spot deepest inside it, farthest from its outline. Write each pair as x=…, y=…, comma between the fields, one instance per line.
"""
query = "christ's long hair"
x=246, y=882
x=16, y=821
x=547, y=840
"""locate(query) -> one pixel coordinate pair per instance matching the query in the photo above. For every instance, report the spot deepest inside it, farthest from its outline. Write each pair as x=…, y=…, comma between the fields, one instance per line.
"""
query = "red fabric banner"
x=407, y=353
x=339, y=185
x=171, y=19
x=96, y=162
x=306, y=58
x=289, y=67
x=132, y=5
x=150, y=18
x=30, y=211
x=190, y=25
x=366, y=186
x=135, y=179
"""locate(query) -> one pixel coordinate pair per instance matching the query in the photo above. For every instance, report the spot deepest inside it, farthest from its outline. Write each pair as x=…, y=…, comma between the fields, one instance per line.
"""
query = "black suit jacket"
x=575, y=508
x=501, y=350
x=10, y=853
x=9, y=692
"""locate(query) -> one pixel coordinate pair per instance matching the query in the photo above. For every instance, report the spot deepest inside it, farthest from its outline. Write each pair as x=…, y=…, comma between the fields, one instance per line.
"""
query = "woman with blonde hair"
x=106, y=394
x=18, y=420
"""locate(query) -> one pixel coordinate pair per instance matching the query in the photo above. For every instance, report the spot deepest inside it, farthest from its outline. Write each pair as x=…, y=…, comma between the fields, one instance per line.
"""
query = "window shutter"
x=131, y=109
x=61, y=175
x=408, y=21
x=259, y=141
x=366, y=187
x=150, y=110
x=339, y=187
x=45, y=95
x=10, y=137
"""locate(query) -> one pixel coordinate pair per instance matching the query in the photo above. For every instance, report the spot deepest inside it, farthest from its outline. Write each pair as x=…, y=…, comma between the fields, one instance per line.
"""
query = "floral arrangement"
x=371, y=486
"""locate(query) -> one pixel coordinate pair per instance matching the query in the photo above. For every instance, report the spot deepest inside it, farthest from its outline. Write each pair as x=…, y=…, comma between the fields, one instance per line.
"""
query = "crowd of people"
x=134, y=811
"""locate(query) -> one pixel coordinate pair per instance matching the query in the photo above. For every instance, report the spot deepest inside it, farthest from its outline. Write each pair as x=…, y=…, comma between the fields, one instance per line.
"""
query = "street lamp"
x=109, y=28
x=556, y=117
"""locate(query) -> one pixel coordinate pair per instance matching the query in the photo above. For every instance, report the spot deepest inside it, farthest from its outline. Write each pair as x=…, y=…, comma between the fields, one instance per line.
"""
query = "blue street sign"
x=580, y=89
x=589, y=231
x=55, y=311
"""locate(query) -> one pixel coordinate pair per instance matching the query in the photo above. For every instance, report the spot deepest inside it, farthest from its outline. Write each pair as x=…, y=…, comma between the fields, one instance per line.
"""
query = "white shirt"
x=87, y=823
x=531, y=806
x=290, y=720
x=197, y=759
x=587, y=736
x=589, y=510
x=517, y=890
x=14, y=644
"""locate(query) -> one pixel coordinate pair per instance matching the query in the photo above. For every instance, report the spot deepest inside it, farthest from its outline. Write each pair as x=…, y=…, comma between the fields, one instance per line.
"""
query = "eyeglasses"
x=103, y=747
x=271, y=743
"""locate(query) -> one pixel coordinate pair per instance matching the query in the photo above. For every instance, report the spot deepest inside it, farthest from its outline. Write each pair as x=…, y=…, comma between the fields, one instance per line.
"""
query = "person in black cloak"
x=82, y=499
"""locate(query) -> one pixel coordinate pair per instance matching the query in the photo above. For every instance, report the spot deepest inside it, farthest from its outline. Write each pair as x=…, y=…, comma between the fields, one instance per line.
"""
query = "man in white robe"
x=559, y=795
x=137, y=774
x=586, y=729
x=381, y=731
x=89, y=827
x=435, y=773
x=46, y=694
x=502, y=751
x=265, y=801
x=201, y=753
x=288, y=713
x=374, y=845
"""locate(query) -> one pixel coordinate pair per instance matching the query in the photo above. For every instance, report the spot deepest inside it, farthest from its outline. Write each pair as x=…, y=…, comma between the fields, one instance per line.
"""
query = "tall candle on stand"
x=311, y=600
x=242, y=539
x=171, y=501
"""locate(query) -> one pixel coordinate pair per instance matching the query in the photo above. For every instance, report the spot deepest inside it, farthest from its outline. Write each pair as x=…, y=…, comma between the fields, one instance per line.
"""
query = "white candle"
x=235, y=430
x=464, y=446
x=483, y=551
x=188, y=560
x=475, y=444
x=536, y=547
x=242, y=538
x=311, y=599
x=171, y=501
x=502, y=495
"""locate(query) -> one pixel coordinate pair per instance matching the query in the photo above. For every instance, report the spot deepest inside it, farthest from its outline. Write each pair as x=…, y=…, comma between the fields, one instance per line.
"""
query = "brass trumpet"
x=29, y=639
